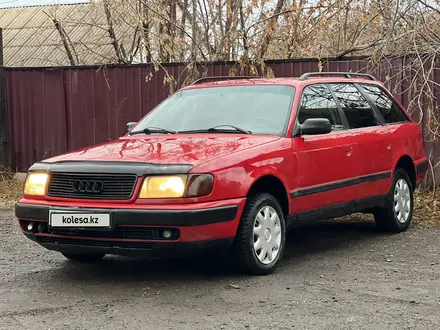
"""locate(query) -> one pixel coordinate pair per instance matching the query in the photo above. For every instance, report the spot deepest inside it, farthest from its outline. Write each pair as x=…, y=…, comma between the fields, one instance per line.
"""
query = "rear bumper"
x=135, y=231
x=422, y=166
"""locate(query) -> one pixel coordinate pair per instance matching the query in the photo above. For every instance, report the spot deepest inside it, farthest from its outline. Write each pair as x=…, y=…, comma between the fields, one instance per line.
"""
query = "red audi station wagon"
x=229, y=164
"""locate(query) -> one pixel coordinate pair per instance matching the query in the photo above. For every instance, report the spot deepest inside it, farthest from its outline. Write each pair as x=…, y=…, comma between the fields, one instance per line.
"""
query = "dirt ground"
x=335, y=275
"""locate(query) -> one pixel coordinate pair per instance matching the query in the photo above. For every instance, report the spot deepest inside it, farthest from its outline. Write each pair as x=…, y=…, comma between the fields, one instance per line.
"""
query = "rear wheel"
x=260, y=239
x=84, y=257
x=396, y=214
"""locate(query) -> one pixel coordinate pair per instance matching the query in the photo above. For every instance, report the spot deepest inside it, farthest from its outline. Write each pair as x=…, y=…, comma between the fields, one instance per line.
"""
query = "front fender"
x=234, y=176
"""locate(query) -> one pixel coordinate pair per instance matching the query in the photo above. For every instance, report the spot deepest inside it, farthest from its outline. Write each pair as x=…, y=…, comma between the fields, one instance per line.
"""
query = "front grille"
x=92, y=186
x=84, y=242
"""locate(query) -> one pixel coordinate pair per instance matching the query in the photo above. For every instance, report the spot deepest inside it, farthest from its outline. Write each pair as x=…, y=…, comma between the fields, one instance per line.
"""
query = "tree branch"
x=429, y=6
x=65, y=40
x=111, y=32
x=178, y=27
x=357, y=48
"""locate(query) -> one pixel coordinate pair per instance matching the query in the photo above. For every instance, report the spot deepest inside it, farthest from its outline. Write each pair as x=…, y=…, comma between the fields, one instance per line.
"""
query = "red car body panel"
x=237, y=161
x=167, y=149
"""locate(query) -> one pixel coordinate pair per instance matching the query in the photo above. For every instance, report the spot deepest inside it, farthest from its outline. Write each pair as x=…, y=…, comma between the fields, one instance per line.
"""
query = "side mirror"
x=313, y=126
x=130, y=125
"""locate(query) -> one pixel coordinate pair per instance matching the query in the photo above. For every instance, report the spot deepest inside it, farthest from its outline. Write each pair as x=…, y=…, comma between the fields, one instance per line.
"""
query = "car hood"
x=166, y=149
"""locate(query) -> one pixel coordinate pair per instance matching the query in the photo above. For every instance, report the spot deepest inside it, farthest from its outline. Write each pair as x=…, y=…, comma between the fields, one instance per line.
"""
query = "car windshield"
x=260, y=109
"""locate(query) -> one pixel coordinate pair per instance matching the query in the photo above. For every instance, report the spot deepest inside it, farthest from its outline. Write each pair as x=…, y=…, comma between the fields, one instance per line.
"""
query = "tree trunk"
x=227, y=43
x=267, y=35
x=111, y=32
x=172, y=28
x=194, y=32
x=146, y=31
x=66, y=42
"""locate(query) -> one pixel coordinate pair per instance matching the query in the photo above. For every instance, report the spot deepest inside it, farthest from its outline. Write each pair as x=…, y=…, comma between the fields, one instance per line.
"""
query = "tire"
x=258, y=212
x=391, y=217
x=83, y=257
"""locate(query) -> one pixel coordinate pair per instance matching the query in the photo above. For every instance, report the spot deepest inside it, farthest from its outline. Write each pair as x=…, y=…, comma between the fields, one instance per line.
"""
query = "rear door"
x=369, y=138
x=327, y=163
x=393, y=138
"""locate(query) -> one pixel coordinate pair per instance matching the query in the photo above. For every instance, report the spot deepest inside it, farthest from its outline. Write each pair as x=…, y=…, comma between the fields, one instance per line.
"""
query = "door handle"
x=389, y=146
x=348, y=151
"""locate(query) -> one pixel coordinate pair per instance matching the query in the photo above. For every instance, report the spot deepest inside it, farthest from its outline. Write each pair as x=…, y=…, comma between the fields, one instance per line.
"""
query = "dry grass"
x=11, y=189
x=426, y=208
x=426, y=211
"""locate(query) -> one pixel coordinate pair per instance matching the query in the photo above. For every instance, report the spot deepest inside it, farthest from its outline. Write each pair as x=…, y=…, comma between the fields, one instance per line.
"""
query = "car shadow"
x=313, y=239
x=329, y=235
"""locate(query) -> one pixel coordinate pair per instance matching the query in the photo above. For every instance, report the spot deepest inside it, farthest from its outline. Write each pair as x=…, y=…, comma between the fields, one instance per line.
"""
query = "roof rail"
x=348, y=75
x=221, y=78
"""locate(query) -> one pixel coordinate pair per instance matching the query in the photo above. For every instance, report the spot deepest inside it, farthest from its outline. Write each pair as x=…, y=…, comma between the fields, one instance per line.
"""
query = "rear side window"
x=318, y=102
x=356, y=108
x=390, y=111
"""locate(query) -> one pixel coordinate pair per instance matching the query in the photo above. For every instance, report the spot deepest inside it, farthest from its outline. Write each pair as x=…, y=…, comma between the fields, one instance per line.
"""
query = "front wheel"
x=260, y=239
x=396, y=215
x=83, y=257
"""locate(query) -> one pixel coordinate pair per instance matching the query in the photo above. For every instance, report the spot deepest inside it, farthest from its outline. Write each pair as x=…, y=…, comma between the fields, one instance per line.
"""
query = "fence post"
x=4, y=123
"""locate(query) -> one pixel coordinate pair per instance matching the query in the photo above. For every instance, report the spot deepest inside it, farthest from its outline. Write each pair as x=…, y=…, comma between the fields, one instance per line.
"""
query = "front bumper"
x=135, y=231
x=163, y=217
x=150, y=249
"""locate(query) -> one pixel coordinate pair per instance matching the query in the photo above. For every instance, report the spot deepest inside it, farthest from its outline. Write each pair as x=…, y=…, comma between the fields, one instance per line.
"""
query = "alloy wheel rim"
x=267, y=235
x=402, y=201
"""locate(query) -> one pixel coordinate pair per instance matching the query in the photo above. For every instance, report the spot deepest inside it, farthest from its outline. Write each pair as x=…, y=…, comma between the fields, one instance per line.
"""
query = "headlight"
x=36, y=184
x=177, y=186
x=163, y=187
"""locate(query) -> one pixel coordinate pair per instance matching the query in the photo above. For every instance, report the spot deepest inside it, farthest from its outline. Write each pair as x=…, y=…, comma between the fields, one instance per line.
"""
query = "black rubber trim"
x=139, y=217
x=340, y=184
x=178, y=217
x=334, y=211
x=31, y=212
x=422, y=167
x=376, y=112
x=147, y=249
x=140, y=169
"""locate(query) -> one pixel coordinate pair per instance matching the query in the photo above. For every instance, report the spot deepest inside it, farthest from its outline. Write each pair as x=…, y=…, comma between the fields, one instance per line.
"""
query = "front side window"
x=318, y=102
x=390, y=111
x=355, y=107
x=261, y=109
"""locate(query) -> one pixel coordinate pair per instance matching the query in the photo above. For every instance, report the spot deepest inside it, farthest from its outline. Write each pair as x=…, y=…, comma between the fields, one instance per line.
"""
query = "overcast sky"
x=19, y=3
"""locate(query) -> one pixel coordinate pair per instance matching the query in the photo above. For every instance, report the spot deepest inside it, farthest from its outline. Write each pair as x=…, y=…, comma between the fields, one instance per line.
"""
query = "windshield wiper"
x=218, y=129
x=150, y=130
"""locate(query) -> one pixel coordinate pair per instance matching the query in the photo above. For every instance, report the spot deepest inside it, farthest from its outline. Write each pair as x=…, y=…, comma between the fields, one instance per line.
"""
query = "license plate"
x=79, y=220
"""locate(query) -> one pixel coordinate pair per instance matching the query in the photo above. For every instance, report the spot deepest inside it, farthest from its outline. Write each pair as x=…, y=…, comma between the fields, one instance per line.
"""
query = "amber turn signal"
x=199, y=185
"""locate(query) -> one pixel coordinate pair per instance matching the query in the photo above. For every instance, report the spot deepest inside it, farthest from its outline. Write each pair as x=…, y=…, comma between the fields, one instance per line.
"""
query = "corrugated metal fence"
x=54, y=110
x=4, y=124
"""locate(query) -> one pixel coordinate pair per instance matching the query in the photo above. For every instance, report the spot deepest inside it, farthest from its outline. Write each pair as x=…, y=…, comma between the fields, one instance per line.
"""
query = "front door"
x=328, y=164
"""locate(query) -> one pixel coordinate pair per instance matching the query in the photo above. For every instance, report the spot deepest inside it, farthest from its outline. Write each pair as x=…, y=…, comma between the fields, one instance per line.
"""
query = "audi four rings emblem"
x=88, y=186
